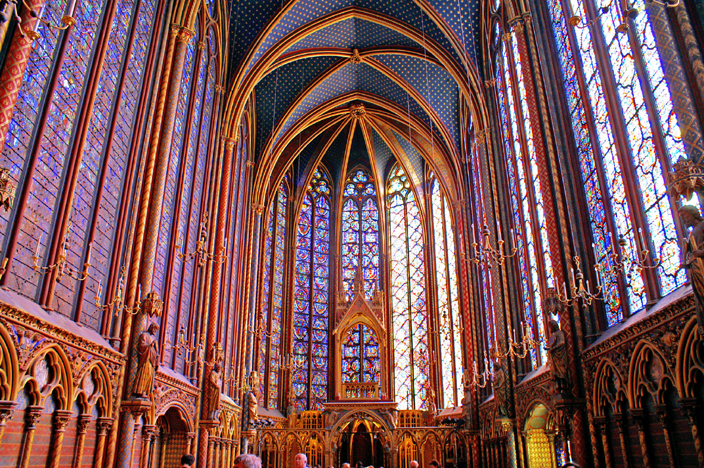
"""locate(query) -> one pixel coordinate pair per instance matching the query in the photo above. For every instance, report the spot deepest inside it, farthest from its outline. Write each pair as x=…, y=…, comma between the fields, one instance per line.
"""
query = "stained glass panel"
x=310, y=330
x=448, y=298
x=409, y=314
x=360, y=233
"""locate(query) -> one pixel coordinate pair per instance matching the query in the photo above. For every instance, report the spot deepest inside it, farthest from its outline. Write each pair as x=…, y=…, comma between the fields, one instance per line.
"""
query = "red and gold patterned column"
x=15, y=66
x=104, y=425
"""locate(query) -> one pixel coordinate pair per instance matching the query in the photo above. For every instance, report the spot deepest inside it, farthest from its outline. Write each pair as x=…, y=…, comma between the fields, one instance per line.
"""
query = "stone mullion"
x=74, y=157
x=15, y=65
x=32, y=161
x=104, y=425
x=148, y=433
x=82, y=428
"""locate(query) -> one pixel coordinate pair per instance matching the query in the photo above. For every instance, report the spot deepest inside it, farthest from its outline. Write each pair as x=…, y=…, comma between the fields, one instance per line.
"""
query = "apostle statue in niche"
x=502, y=390
x=211, y=406
x=558, y=360
x=693, y=256
x=147, y=358
x=252, y=400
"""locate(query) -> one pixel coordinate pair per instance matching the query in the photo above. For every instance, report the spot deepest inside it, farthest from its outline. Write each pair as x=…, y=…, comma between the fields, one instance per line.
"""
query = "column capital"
x=82, y=425
x=229, y=143
x=31, y=418
x=61, y=418
x=184, y=35
x=104, y=425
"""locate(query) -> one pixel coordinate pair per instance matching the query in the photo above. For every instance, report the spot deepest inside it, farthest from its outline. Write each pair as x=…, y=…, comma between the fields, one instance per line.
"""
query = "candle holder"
x=62, y=266
x=201, y=254
x=515, y=349
x=484, y=252
x=477, y=379
x=581, y=289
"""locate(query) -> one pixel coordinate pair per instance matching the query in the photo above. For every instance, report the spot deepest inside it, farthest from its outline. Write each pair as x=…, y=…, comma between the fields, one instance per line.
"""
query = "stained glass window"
x=360, y=355
x=270, y=320
x=526, y=193
x=408, y=301
x=601, y=161
x=449, y=319
x=360, y=233
x=310, y=313
x=116, y=93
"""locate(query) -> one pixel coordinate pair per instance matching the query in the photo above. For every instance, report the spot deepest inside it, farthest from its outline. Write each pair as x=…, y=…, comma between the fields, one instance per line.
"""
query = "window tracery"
x=311, y=296
x=409, y=314
x=360, y=233
x=643, y=111
x=269, y=332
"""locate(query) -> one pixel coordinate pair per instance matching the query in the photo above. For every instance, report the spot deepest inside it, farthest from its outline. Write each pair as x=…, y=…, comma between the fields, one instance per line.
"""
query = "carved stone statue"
x=432, y=407
x=693, y=256
x=254, y=382
x=147, y=359
x=211, y=407
x=501, y=390
x=252, y=413
x=558, y=361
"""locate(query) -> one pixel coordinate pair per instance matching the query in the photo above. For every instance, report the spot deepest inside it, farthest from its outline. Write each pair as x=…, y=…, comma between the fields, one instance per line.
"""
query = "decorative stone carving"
x=147, y=362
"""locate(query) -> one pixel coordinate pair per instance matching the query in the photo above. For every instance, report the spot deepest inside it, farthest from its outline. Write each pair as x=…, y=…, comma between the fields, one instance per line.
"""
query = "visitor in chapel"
x=247, y=460
x=300, y=461
x=187, y=461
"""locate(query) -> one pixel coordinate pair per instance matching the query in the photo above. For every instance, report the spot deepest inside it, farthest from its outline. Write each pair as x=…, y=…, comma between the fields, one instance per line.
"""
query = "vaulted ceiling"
x=410, y=65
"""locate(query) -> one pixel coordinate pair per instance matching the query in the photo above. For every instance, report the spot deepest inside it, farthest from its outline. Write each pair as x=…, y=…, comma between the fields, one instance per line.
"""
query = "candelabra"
x=484, y=251
x=580, y=287
x=477, y=379
x=260, y=332
x=515, y=349
x=62, y=266
x=642, y=261
x=201, y=254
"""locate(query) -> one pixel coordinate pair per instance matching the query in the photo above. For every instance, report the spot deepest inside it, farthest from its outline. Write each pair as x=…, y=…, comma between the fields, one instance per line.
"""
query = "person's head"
x=300, y=461
x=153, y=328
x=435, y=464
x=345, y=465
x=689, y=215
x=247, y=460
x=187, y=460
x=360, y=464
x=414, y=464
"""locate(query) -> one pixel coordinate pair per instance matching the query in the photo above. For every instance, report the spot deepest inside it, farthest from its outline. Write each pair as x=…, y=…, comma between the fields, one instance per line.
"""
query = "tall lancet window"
x=535, y=264
x=408, y=301
x=269, y=329
x=632, y=70
x=360, y=355
x=360, y=233
x=449, y=320
x=310, y=313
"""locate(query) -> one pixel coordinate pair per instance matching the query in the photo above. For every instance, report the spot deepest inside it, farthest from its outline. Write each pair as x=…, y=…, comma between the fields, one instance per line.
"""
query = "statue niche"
x=360, y=343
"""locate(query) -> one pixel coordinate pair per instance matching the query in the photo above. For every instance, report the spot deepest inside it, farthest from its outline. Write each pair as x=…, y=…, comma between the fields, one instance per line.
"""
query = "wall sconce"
x=64, y=269
x=580, y=288
x=477, y=380
x=201, y=253
x=515, y=349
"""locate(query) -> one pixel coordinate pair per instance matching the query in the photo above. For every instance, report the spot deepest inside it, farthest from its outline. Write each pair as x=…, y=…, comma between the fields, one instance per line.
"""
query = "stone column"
x=81, y=429
x=663, y=414
x=61, y=418
x=15, y=66
x=5, y=414
x=104, y=425
x=31, y=419
x=638, y=417
x=689, y=406
x=603, y=424
x=148, y=432
x=619, y=421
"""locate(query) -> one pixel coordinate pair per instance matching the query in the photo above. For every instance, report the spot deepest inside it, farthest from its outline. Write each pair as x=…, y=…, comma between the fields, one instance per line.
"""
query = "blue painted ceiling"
x=255, y=30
